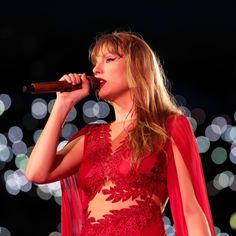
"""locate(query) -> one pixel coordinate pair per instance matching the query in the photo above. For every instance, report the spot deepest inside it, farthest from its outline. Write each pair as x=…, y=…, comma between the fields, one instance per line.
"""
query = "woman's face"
x=112, y=69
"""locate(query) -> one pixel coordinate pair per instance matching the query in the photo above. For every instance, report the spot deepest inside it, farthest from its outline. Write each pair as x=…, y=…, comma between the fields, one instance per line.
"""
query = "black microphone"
x=60, y=86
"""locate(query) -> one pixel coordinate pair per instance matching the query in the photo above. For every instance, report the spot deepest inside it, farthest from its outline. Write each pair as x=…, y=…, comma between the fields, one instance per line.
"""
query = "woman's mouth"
x=102, y=82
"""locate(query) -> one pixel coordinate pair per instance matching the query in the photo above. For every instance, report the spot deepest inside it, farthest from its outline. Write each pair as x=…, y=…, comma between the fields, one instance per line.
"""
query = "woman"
x=116, y=178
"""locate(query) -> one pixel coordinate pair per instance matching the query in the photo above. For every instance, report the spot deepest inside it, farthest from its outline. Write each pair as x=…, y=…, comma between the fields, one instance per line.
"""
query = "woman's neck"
x=124, y=113
x=124, y=108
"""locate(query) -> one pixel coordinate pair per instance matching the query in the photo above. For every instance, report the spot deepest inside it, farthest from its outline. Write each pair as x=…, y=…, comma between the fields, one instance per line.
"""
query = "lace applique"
x=138, y=188
x=126, y=222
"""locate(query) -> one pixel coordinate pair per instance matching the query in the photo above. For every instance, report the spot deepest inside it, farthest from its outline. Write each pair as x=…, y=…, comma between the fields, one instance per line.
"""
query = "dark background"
x=40, y=41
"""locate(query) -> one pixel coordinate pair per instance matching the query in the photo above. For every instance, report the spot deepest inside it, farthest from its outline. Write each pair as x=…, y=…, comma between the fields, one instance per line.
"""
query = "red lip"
x=102, y=82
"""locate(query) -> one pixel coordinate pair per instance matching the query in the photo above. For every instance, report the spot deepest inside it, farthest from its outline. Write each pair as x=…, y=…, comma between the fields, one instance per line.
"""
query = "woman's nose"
x=97, y=69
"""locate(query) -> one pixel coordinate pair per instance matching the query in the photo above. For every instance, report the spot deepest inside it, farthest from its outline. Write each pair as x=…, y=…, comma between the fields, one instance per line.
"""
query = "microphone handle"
x=60, y=86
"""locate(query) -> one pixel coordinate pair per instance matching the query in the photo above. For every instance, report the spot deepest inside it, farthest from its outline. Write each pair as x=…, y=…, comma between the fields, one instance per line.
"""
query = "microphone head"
x=27, y=88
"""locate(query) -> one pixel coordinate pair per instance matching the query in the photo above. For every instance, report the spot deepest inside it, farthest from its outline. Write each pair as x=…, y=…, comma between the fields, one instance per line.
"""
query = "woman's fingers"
x=72, y=78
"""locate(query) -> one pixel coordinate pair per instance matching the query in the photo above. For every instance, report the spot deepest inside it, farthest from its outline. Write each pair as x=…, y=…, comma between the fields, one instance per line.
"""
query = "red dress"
x=141, y=193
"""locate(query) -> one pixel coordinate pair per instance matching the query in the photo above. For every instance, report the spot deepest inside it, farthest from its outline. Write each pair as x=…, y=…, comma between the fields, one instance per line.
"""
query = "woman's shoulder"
x=176, y=120
x=178, y=124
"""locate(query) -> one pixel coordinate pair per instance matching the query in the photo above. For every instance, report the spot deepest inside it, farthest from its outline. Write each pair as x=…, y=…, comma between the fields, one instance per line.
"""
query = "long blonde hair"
x=153, y=102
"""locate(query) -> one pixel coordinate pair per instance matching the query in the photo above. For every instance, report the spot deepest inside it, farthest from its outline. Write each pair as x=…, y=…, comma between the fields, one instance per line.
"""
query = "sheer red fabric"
x=131, y=200
x=182, y=134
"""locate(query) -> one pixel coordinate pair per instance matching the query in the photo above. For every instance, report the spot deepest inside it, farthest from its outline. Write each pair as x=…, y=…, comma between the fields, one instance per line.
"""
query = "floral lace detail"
x=126, y=222
x=140, y=185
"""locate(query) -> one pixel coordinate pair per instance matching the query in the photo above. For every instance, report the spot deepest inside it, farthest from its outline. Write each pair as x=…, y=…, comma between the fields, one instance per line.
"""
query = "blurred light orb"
x=217, y=230
x=6, y=100
x=42, y=194
x=72, y=115
x=6, y=154
x=19, y=148
x=213, y=132
x=181, y=100
x=233, y=185
x=232, y=134
x=39, y=108
x=103, y=110
x=55, y=234
x=3, y=140
x=2, y=107
x=232, y=221
x=15, y=134
x=223, y=180
x=99, y=122
x=221, y=122
x=203, y=144
x=228, y=134
x=36, y=135
x=219, y=155
x=232, y=155
x=50, y=105
x=90, y=109
x=193, y=123
x=69, y=130
x=61, y=145
x=199, y=115
x=20, y=161
x=185, y=111
x=4, y=231
x=216, y=182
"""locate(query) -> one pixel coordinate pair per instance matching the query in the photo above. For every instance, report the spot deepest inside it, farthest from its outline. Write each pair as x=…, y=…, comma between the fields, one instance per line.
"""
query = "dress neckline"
x=120, y=144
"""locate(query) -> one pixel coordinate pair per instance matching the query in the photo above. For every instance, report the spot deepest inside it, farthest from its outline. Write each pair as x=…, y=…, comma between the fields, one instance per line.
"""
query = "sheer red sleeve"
x=180, y=130
x=72, y=200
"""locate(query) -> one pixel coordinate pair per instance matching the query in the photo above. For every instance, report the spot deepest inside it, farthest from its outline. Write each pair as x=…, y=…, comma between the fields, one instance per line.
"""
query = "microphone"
x=60, y=86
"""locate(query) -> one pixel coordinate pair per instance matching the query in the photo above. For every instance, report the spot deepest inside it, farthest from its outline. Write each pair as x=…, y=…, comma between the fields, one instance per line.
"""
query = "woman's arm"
x=187, y=191
x=194, y=216
x=44, y=164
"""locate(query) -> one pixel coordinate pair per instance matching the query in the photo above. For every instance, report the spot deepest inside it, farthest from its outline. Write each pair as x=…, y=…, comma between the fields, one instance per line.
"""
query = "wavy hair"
x=153, y=101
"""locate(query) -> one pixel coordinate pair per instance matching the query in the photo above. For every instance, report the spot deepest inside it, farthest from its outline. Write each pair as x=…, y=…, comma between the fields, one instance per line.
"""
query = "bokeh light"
x=193, y=123
x=232, y=155
x=181, y=100
x=55, y=234
x=5, y=99
x=213, y=132
x=2, y=107
x=203, y=144
x=39, y=108
x=199, y=115
x=232, y=221
x=4, y=231
x=69, y=130
x=219, y=155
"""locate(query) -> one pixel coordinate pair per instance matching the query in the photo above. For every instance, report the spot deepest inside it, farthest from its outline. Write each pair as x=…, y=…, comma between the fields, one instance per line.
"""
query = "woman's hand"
x=75, y=96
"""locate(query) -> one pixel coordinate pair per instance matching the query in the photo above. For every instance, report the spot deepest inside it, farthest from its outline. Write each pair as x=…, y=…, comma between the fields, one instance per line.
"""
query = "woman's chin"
x=103, y=95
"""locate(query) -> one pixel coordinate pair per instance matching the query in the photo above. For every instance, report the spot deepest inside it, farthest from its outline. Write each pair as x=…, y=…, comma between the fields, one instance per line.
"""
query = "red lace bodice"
x=131, y=200
x=142, y=185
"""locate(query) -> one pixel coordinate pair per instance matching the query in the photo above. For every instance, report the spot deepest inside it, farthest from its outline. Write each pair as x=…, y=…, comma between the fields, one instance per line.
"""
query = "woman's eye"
x=109, y=59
